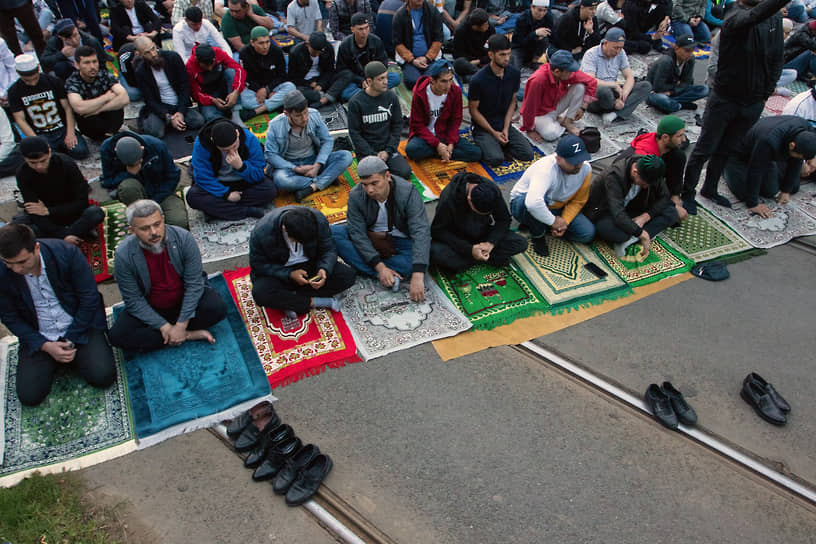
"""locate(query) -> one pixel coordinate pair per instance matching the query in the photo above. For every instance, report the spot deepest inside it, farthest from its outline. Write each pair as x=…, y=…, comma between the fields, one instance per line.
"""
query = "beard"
x=157, y=63
x=156, y=248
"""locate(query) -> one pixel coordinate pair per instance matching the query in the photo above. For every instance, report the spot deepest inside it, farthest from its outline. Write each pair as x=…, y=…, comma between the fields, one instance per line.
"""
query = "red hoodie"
x=447, y=124
x=542, y=93
x=195, y=71
x=646, y=144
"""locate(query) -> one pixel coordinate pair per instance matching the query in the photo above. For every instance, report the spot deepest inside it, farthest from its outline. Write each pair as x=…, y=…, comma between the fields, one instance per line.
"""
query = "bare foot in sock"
x=203, y=334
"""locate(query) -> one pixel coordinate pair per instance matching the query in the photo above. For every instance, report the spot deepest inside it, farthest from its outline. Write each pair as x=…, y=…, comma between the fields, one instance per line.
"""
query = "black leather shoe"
x=250, y=436
x=289, y=473
x=763, y=404
x=238, y=424
x=276, y=458
x=685, y=413
x=660, y=406
x=781, y=403
x=270, y=438
x=309, y=480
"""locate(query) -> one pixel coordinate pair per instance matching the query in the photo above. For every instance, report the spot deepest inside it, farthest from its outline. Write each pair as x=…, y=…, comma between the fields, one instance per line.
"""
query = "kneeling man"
x=159, y=273
x=386, y=234
x=293, y=262
x=472, y=225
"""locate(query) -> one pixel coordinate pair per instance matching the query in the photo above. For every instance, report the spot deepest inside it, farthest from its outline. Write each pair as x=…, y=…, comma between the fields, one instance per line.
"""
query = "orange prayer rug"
x=435, y=174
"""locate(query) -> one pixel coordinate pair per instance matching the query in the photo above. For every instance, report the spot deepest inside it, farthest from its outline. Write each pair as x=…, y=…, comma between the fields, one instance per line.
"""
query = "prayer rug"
x=219, y=239
x=703, y=237
x=490, y=296
x=116, y=228
x=435, y=174
x=562, y=278
x=335, y=117
x=8, y=188
x=292, y=349
x=259, y=124
x=788, y=221
x=805, y=199
x=283, y=40
x=511, y=171
x=176, y=390
x=97, y=255
x=74, y=427
x=383, y=321
x=331, y=201
x=662, y=262
x=701, y=51
x=776, y=103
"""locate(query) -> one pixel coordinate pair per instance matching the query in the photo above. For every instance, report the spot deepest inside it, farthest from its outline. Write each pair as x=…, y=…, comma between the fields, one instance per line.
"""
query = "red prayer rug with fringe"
x=292, y=349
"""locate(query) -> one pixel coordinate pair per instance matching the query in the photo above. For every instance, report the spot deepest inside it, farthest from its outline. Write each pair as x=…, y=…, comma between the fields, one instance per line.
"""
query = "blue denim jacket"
x=277, y=140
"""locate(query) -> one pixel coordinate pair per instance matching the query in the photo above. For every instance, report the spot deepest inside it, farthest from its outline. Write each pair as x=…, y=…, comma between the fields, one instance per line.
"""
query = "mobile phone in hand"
x=314, y=279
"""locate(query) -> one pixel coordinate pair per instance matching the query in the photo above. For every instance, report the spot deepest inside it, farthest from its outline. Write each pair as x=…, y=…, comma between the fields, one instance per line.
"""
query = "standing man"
x=417, y=38
x=355, y=52
x=22, y=11
x=139, y=167
x=630, y=203
x=532, y=35
x=556, y=96
x=216, y=81
x=266, y=75
x=55, y=194
x=302, y=18
x=242, y=17
x=604, y=62
x=40, y=108
x=48, y=299
x=163, y=285
x=60, y=48
x=492, y=103
x=375, y=121
x=672, y=79
x=195, y=29
x=165, y=87
x=311, y=69
x=228, y=173
x=436, y=115
x=577, y=30
x=551, y=193
x=749, y=65
x=95, y=96
x=293, y=262
x=472, y=225
x=299, y=149
x=386, y=235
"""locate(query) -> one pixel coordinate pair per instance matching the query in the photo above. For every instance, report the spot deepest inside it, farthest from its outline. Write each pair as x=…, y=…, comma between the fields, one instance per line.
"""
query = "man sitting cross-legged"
x=436, y=114
x=299, y=149
x=472, y=225
x=164, y=287
x=551, y=193
x=293, y=262
x=48, y=299
x=387, y=235
x=630, y=202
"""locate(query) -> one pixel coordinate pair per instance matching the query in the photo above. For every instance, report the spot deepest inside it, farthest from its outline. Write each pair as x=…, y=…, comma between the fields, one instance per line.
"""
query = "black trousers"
x=94, y=361
x=724, y=125
x=271, y=292
x=606, y=229
x=100, y=126
x=132, y=334
x=28, y=20
x=447, y=258
x=45, y=227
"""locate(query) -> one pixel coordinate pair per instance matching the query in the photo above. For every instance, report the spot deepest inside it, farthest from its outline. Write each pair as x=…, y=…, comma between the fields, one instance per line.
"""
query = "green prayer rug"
x=562, y=279
x=662, y=262
x=75, y=426
x=703, y=237
x=491, y=296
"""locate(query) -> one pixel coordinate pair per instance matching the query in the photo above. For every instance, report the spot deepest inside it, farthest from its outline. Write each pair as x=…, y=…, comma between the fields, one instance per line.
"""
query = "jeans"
x=580, y=228
x=153, y=125
x=57, y=143
x=401, y=262
x=607, y=96
x=509, y=25
x=804, y=63
x=254, y=196
x=287, y=180
x=211, y=112
x=351, y=89
x=463, y=150
x=673, y=103
x=700, y=32
x=175, y=213
x=272, y=103
x=133, y=92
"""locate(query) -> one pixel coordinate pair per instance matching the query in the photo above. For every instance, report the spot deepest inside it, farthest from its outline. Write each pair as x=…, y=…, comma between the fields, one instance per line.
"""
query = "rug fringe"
x=313, y=371
x=592, y=300
x=741, y=256
x=507, y=318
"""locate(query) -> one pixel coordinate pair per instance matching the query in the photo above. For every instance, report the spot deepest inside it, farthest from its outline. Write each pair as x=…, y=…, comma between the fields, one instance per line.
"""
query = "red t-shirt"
x=166, y=286
x=646, y=144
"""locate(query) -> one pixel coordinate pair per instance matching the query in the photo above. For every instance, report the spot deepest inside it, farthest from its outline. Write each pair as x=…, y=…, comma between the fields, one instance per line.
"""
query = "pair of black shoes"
x=668, y=406
x=248, y=429
x=762, y=396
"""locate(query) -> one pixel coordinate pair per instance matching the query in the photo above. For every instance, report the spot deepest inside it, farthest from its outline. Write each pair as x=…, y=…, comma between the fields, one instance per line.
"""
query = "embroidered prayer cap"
x=318, y=41
x=129, y=150
x=670, y=124
x=541, y=3
x=258, y=32
x=33, y=146
x=374, y=68
x=26, y=64
x=615, y=34
x=371, y=165
x=806, y=144
x=564, y=60
x=651, y=168
x=572, y=149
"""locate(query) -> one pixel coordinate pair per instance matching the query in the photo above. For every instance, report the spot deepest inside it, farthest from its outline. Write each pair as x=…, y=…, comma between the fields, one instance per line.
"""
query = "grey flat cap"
x=371, y=165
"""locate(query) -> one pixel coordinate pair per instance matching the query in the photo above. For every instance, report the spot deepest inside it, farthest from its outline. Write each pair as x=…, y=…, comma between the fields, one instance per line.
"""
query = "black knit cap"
x=484, y=195
x=224, y=134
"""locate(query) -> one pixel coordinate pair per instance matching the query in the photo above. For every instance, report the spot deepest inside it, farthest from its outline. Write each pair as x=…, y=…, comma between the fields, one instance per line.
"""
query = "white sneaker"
x=607, y=118
x=620, y=249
